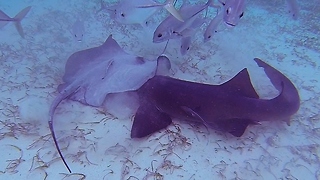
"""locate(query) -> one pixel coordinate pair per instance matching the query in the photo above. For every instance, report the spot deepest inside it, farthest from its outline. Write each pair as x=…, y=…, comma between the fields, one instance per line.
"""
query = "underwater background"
x=97, y=143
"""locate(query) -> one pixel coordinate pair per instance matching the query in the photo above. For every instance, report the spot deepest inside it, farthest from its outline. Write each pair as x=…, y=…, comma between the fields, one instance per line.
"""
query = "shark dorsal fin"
x=241, y=85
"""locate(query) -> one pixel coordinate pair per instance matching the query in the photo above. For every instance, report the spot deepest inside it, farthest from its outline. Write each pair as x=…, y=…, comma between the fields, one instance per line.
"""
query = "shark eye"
x=241, y=15
x=159, y=35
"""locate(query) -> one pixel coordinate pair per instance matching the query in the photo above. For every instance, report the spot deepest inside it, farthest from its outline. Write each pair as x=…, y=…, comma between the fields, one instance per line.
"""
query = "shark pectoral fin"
x=235, y=126
x=148, y=120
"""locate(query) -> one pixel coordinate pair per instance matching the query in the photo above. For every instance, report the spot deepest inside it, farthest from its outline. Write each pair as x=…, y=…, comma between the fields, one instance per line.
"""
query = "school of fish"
x=184, y=20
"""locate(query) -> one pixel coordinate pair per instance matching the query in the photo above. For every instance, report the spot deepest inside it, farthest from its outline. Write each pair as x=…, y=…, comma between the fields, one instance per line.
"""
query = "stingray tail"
x=53, y=107
x=18, y=18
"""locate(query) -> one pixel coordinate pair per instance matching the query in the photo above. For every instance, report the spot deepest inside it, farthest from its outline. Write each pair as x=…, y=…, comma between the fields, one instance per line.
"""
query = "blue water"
x=97, y=144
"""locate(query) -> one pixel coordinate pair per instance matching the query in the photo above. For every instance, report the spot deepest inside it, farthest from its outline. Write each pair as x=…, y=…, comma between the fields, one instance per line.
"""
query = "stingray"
x=92, y=74
x=228, y=107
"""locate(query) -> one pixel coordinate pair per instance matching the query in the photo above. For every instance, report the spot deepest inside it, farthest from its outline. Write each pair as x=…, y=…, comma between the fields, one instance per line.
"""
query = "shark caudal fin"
x=18, y=18
x=288, y=92
x=148, y=120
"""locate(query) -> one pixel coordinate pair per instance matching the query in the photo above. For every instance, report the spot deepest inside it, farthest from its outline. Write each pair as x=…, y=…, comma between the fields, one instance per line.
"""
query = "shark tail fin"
x=19, y=18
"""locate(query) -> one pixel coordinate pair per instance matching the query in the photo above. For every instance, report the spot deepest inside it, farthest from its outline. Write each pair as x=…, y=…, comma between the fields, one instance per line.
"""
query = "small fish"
x=138, y=11
x=293, y=8
x=185, y=45
x=5, y=19
x=77, y=30
x=187, y=34
x=171, y=27
x=212, y=27
x=233, y=11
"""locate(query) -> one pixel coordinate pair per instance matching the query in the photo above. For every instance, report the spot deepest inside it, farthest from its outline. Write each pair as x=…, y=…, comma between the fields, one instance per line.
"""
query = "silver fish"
x=171, y=28
x=212, y=27
x=185, y=45
x=293, y=8
x=77, y=30
x=138, y=11
x=187, y=34
x=5, y=19
x=233, y=11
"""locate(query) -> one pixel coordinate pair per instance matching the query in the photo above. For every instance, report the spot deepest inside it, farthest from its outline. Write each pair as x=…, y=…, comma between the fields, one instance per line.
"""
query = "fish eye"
x=229, y=10
x=241, y=15
x=209, y=37
x=122, y=14
x=159, y=35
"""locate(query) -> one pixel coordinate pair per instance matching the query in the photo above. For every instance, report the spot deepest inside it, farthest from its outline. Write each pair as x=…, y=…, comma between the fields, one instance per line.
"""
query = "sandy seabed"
x=97, y=144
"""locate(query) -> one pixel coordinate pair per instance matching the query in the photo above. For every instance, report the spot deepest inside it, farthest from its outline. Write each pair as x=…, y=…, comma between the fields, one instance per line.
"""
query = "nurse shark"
x=229, y=107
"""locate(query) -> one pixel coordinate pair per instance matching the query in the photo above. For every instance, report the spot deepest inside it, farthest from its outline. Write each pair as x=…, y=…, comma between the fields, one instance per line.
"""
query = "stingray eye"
x=122, y=14
x=209, y=37
x=229, y=10
x=159, y=35
x=241, y=15
x=75, y=35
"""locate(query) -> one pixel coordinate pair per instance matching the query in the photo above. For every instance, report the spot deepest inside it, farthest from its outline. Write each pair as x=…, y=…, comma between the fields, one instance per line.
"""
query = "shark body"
x=229, y=107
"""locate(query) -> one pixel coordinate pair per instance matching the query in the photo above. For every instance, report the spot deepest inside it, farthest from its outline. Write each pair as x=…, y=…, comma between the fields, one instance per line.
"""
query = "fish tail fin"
x=5, y=16
x=169, y=6
x=104, y=7
x=209, y=2
x=19, y=18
